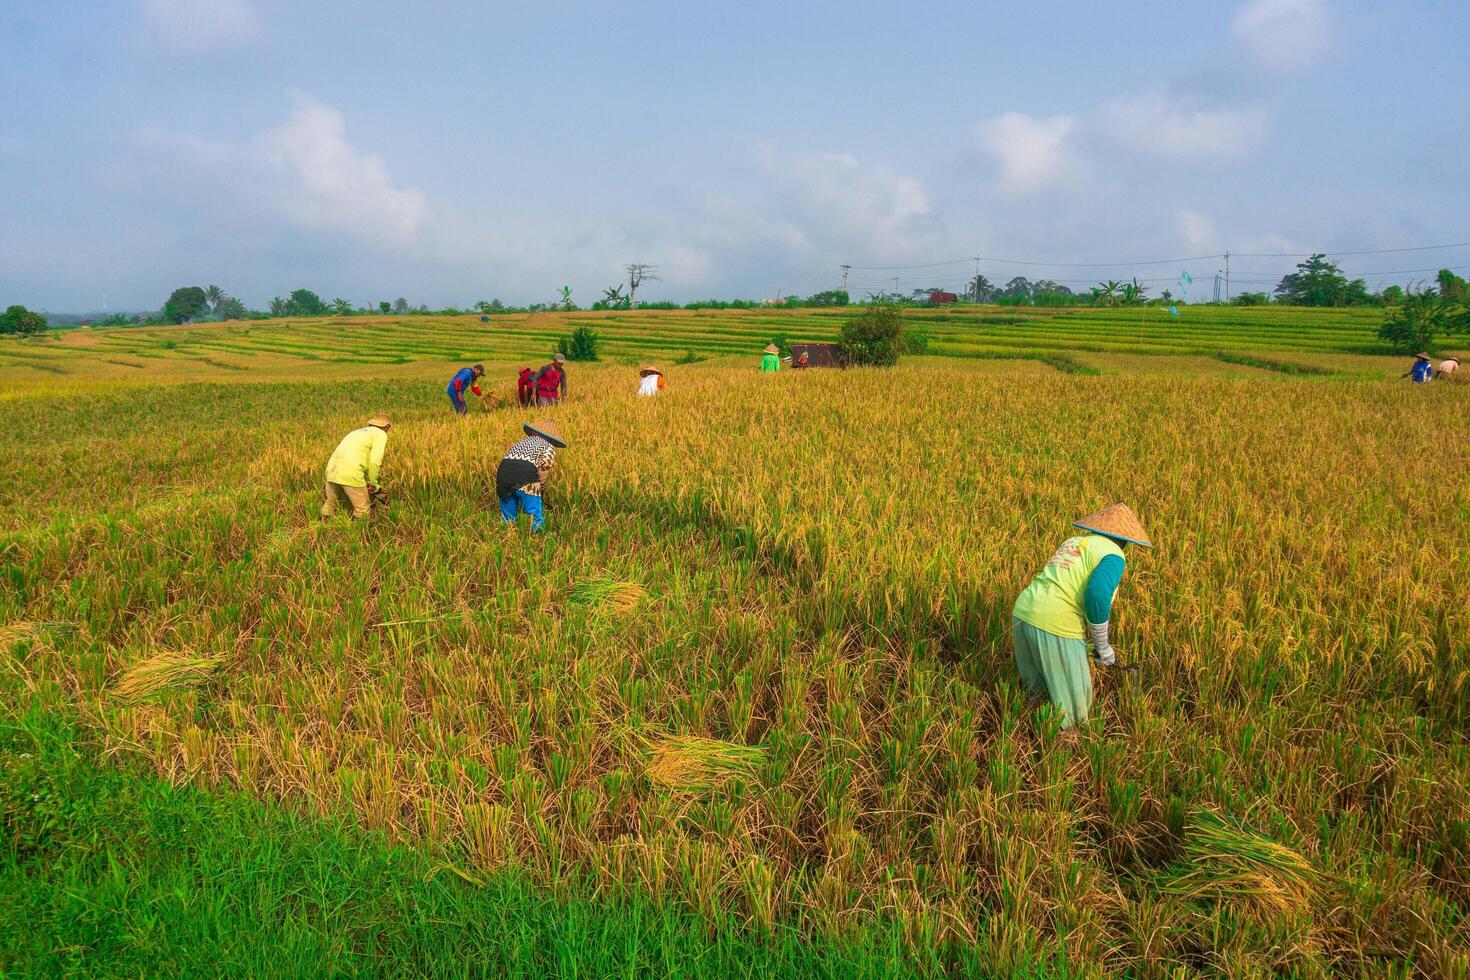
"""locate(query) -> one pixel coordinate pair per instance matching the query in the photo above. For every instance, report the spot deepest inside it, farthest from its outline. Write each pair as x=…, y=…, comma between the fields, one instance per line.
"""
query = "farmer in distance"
x=352, y=472
x=650, y=382
x=524, y=471
x=465, y=378
x=551, y=382
x=1422, y=371
x=1068, y=602
x=772, y=359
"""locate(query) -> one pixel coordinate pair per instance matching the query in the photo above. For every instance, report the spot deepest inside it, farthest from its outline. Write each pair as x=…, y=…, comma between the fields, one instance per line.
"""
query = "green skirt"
x=1055, y=667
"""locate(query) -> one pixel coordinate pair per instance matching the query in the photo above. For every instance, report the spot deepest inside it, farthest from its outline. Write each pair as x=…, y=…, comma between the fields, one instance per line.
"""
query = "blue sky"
x=449, y=152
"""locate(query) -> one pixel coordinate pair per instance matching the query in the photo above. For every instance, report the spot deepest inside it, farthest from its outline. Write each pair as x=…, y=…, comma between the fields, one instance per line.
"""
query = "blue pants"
x=511, y=508
x=456, y=400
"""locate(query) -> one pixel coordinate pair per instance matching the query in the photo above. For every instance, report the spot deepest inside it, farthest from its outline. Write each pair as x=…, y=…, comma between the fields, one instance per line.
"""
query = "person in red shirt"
x=526, y=388
x=551, y=382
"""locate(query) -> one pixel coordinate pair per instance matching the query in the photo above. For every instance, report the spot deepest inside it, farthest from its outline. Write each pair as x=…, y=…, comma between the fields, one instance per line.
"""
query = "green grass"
x=110, y=873
x=1272, y=364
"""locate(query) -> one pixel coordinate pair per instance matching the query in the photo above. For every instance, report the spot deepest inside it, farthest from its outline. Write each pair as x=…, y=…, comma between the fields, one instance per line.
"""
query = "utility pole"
x=1227, y=277
x=845, y=267
x=975, y=283
x=895, y=286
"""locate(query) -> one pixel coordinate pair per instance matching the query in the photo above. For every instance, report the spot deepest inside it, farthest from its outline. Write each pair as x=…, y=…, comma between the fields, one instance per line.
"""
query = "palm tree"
x=1109, y=291
x=1134, y=292
x=214, y=296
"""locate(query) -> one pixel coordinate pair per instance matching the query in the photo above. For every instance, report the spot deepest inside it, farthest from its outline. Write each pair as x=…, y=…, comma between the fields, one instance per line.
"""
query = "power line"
x=1361, y=251
x=1121, y=265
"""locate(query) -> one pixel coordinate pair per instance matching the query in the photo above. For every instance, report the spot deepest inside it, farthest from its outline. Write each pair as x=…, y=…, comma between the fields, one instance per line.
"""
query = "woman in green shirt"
x=772, y=360
x=1069, y=602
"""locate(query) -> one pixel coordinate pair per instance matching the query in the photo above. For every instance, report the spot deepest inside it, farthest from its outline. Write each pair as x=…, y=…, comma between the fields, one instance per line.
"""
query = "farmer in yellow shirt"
x=352, y=472
x=1069, y=602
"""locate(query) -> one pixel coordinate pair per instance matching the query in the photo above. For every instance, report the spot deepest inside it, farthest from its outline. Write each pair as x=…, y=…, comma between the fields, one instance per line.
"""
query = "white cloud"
x=336, y=185
x=1197, y=230
x=685, y=266
x=835, y=199
x=199, y=27
x=1033, y=153
x=1284, y=34
x=1169, y=126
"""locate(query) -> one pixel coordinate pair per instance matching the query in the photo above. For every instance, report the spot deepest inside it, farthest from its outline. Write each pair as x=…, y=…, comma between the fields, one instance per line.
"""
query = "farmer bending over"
x=1068, y=602
x=1447, y=367
x=526, y=388
x=1422, y=371
x=551, y=381
x=651, y=382
x=465, y=378
x=352, y=472
x=523, y=471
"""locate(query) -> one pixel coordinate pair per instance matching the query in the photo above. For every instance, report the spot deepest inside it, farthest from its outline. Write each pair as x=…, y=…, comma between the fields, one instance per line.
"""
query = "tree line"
x=1414, y=316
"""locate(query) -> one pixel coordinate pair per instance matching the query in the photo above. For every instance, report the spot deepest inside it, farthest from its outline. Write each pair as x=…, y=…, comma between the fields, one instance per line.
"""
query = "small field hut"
x=819, y=355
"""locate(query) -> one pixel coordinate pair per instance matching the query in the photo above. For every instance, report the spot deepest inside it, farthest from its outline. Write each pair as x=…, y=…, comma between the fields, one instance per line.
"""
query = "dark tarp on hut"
x=819, y=355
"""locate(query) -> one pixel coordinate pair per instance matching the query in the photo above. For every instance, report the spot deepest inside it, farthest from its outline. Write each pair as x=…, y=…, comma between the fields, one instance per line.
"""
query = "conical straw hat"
x=380, y=420
x=772, y=349
x=1116, y=521
x=647, y=370
x=546, y=429
x=1422, y=356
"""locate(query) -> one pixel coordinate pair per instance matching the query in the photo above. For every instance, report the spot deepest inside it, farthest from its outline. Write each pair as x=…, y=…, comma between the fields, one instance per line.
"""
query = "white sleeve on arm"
x=1103, y=650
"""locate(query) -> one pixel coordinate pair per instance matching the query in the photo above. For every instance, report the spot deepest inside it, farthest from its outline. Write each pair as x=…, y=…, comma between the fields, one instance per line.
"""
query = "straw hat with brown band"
x=546, y=429
x=1116, y=521
x=381, y=420
x=559, y=358
x=772, y=349
x=650, y=369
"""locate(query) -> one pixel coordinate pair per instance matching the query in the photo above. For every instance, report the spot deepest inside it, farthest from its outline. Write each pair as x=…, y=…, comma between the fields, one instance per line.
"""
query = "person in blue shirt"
x=1422, y=371
x=465, y=378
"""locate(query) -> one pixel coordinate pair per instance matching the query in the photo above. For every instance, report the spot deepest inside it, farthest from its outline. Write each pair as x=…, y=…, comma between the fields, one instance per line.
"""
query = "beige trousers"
x=355, y=499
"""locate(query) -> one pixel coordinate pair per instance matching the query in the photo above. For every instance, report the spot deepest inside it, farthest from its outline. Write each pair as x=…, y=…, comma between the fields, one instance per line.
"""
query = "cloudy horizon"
x=452, y=153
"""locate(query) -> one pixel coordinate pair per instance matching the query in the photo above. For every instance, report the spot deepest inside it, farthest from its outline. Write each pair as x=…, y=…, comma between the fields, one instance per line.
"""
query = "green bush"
x=19, y=320
x=874, y=337
x=1412, y=326
x=915, y=342
x=582, y=345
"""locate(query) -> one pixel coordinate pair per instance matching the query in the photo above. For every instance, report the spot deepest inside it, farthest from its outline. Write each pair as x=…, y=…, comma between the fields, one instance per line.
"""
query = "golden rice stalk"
x=618, y=598
x=19, y=630
x=1225, y=863
x=697, y=765
x=167, y=670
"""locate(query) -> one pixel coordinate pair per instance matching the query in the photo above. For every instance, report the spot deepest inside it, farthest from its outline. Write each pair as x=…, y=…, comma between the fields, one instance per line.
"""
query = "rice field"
x=758, y=670
x=336, y=347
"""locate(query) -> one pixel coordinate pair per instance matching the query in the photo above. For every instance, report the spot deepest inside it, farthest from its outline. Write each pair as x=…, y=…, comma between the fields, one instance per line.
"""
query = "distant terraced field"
x=342, y=346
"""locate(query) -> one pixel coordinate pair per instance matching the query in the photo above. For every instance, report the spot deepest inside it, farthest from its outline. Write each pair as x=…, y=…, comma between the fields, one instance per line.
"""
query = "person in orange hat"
x=1068, y=603
x=524, y=471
